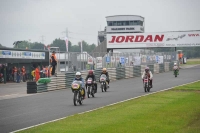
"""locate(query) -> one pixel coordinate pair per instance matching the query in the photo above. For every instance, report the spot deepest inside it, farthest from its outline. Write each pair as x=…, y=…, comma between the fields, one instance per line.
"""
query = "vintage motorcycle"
x=90, y=87
x=103, y=82
x=78, y=92
x=176, y=71
x=146, y=84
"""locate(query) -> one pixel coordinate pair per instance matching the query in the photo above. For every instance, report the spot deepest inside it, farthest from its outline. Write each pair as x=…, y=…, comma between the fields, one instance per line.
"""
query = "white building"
x=122, y=24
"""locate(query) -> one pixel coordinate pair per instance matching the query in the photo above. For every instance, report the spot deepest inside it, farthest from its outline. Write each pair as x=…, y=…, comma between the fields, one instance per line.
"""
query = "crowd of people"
x=19, y=74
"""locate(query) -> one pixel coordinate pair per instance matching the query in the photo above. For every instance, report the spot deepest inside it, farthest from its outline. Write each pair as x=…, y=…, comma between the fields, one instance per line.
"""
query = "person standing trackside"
x=53, y=62
x=23, y=74
x=37, y=73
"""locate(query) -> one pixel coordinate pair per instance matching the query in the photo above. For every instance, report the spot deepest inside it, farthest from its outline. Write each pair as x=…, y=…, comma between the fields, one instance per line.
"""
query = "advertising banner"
x=99, y=62
x=136, y=60
x=108, y=59
x=90, y=60
x=113, y=59
x=117, y=59
x=21, y=54
x=160, y=61
x=165, y=39
x=122, y=60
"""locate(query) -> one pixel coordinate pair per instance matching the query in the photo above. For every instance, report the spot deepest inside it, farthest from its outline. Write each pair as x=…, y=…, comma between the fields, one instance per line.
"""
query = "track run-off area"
x=18, y=112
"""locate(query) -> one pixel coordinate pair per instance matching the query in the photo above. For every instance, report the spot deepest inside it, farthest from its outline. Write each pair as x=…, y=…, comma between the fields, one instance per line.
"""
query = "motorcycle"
x=1, y=78
x=90, y=87
x=146, y=84
x=78, y=92
x=175, y=72
x=103, y=82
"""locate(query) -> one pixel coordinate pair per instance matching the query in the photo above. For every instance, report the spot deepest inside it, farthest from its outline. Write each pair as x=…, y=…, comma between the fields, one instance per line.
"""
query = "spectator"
x=53, y=62
x=15, y=74
x=37, y=73
x=23, y=74
x=18, y=75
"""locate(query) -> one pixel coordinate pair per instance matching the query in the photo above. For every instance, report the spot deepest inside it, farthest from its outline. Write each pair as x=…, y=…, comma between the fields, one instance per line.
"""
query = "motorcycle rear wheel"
x=105, y=88
x=102, y=88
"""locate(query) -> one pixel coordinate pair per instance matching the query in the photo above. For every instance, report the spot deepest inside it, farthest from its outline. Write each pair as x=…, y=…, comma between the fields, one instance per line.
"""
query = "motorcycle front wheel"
x=80, y=100
x=145, y=88
x=102, y=87
x=75, y=100
x=88, y=92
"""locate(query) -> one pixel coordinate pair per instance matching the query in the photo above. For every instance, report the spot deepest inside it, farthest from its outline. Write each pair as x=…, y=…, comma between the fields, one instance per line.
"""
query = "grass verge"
x=176, y=110
x=192, y=62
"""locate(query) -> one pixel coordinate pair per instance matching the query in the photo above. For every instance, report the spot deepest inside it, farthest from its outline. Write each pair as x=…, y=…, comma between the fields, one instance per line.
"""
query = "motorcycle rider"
x=79, y=78
x=176, y=68
x=91, y=75
x=149, y=74
x=104, y=71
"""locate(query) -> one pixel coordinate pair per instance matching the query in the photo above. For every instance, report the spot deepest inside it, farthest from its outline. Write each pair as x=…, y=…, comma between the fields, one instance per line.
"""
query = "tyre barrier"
x=31, y=87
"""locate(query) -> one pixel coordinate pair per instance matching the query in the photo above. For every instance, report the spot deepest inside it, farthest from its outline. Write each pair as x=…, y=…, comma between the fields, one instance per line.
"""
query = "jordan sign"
x=167, y=39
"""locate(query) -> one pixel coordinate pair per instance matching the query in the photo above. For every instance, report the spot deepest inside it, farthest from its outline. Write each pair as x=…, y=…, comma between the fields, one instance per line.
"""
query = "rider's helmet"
x=90, y=72
x=174, y=64
x=78, y=75
x=147, y=69
x=104, y=70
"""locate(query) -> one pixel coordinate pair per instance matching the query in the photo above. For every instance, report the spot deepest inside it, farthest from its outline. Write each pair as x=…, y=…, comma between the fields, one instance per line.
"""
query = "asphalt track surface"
x=22, y=112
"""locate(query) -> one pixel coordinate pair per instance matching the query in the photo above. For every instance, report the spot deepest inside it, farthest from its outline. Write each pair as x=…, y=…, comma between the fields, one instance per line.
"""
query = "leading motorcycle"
x=78, y=92
x=103, y=82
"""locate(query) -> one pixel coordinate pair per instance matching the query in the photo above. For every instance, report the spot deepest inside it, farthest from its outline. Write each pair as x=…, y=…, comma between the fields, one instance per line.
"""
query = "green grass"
x=192, y=62
x=172, y=111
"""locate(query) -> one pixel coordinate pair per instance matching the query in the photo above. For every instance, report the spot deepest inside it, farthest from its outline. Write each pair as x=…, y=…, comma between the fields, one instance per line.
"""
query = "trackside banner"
x=167, y=39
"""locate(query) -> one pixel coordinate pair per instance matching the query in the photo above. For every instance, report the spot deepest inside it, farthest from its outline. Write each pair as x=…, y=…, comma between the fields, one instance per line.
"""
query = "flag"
x=66, y=41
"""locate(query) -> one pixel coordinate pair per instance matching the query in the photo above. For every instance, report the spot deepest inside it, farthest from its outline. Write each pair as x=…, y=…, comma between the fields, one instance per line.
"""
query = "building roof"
x=18, y=49
x=124, y=15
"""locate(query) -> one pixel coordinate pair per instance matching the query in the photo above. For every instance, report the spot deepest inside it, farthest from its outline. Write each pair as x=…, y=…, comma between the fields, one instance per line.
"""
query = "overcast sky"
x=32, y=19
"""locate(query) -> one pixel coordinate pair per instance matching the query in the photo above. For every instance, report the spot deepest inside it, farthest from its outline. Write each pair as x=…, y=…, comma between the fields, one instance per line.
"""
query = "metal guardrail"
x=64, y=80
x=156, y=68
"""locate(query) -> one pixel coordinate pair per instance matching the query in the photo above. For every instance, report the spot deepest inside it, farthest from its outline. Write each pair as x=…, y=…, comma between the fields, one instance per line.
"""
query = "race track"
x=22, y=112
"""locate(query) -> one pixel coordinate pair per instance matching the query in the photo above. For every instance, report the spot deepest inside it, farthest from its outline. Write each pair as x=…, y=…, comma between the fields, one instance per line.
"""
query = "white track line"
x=103, y=107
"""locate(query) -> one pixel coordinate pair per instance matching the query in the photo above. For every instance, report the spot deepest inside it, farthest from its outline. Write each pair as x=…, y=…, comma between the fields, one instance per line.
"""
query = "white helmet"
x=174, y=64
x=78, y=75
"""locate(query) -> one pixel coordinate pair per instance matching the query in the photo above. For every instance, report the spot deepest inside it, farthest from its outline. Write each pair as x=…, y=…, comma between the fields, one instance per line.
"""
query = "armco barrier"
x=64, y=80
x=129, y=72
x=120, y=72
x=112, y=73
x=171, y=64
x=161, y=68
x=57, y=83
x=151, y=68
x=166, y=66
x=69, y=78
x=143, y=68
x=137, y=71
x=97, y=73
x=156, y=68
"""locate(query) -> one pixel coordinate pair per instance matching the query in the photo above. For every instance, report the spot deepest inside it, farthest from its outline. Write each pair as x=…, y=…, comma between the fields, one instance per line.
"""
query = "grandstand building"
x=122, y=24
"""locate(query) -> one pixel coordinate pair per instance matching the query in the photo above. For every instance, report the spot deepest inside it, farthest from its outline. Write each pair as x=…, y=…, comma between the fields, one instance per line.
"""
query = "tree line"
x=56, y=43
